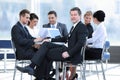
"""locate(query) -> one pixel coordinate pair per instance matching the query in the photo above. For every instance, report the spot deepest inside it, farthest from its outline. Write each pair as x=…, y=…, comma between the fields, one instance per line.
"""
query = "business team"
x=49, y=52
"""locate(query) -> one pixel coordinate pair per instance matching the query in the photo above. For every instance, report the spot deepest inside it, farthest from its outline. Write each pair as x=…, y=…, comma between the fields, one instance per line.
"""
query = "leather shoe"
x=26, y=69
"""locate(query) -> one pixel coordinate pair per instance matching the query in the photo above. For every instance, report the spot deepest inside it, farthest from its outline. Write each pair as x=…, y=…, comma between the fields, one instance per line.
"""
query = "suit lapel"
x=59, y=28
x=49, y=25
x=74, y=29
x=21, y=27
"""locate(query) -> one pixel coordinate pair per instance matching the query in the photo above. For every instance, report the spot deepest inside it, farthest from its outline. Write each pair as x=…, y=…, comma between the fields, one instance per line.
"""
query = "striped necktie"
x=71, y=30
x=26, y=30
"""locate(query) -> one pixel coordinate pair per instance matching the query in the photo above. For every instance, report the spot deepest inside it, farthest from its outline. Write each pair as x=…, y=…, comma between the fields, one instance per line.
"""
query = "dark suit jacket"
x=23, y=42
x=62, y=28
x=75, y=42
x=90, y=30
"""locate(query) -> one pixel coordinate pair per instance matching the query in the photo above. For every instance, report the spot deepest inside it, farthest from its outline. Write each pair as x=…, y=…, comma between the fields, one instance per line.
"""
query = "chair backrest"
x=83, y=49
x=13, y=47
x=17, y=57
x=105, y=53
x=106, y=47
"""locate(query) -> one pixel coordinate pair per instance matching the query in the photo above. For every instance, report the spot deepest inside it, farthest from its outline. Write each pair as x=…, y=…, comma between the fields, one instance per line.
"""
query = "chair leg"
x=97, y=72
x=21, y=72
x=81, y=72
x=30, y=77
x=14, y=70
x=103, y=71
x=84, y=69
x=64, y=71
x=106, y=63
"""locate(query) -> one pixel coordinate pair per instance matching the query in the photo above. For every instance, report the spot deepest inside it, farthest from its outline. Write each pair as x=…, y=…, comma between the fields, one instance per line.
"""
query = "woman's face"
x=95, y=20
x=34, y=22
x=87, y=19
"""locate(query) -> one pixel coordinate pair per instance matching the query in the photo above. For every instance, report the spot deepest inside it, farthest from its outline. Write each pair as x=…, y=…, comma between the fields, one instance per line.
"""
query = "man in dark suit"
x=52, y=16
x=23, y=41
x=49, y=52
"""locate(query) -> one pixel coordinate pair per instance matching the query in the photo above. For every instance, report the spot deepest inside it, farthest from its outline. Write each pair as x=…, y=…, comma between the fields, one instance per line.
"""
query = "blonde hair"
x=88, y=13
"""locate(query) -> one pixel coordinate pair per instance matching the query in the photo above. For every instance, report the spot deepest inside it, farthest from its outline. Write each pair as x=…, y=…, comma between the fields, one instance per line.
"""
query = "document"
x=49, y=32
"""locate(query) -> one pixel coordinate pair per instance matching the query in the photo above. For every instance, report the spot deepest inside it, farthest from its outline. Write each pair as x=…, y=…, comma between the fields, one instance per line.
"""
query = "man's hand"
x=38, y=39
x=46, y=40
x=65, y=54
x=37, y=46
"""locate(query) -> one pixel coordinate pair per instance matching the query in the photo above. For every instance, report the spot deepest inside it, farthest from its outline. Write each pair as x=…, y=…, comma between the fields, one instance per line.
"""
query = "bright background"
x=9, y=13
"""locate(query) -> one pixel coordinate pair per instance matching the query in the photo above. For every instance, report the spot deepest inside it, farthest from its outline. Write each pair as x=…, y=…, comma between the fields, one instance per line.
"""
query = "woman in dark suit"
x=87, y=21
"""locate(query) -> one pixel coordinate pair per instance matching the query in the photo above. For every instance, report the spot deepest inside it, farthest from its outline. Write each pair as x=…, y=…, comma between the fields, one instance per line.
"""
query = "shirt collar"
x=76, y=23
x=54, y=25
x=22, y=24
x=99, y=25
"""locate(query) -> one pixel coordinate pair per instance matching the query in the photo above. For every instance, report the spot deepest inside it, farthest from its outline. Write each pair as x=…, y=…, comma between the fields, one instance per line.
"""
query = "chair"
x=106, y=54
x=6, y=51
x=81, y=65
x=23, y=62
x=105, y=57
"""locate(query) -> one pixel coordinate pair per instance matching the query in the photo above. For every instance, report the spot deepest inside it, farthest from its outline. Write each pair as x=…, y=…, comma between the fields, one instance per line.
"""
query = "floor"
x=112, y=72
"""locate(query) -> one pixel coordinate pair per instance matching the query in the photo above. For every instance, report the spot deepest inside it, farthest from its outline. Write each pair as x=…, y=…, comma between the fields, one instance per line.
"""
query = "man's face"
x=75, y=17
x=52, y=18
x=24, y=19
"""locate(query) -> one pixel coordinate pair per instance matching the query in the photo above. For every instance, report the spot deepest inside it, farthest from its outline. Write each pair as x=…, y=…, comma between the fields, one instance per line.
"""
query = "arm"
x=65, y=31
x=78, y=40
x=19, y=37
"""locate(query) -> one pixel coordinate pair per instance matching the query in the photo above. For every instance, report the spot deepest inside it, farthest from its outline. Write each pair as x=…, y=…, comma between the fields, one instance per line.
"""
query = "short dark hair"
x=76, y=9
x=99, y=15
x=33, y=16
x=23, y=12
x=52, y=12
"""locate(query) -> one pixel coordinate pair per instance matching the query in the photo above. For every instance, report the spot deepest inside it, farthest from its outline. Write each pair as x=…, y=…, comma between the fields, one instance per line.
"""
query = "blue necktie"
x=52, y=26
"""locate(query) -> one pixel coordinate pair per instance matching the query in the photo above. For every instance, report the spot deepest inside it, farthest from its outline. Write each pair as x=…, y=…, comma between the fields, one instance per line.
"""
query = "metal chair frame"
x=81, y=65
x=19, y=61
x=85, y=62
x=105, y=49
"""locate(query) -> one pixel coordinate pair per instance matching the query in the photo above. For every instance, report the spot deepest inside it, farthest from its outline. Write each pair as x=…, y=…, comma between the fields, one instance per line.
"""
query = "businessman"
x=24, y=42
x=52, y=16
x=49, y=51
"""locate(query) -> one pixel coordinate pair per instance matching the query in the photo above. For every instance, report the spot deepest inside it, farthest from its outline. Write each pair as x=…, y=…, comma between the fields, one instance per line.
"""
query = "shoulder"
x=16, y=25
x=81, y=25
x=61, y=24
x=46, y=25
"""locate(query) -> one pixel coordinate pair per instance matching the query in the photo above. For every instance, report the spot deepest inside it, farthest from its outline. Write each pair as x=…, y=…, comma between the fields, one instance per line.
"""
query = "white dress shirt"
x=55, y=25
x=98, y=36
x=33, y=32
